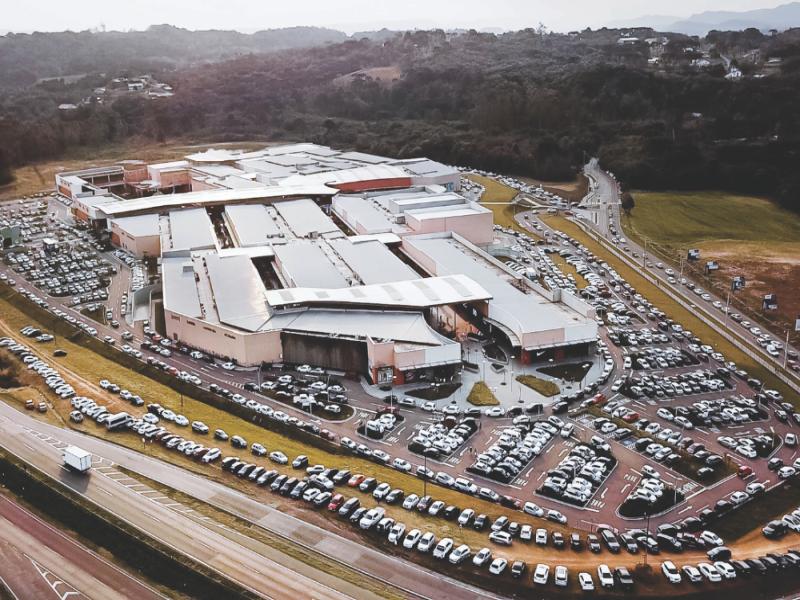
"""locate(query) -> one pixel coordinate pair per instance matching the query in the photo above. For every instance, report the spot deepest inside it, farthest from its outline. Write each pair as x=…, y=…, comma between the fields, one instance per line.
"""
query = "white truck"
x=77, y=460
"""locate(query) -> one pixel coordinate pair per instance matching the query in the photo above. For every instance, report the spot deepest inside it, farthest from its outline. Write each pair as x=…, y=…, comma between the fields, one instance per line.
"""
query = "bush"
x=543, y=386
x=481, y=395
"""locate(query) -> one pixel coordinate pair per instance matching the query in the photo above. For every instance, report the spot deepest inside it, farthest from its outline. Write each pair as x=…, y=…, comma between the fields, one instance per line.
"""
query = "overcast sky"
x=347, y=15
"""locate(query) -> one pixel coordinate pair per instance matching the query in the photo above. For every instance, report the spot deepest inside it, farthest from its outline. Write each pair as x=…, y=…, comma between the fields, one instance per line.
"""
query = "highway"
x=38, y=561
x=602, y=212
x=243, y=561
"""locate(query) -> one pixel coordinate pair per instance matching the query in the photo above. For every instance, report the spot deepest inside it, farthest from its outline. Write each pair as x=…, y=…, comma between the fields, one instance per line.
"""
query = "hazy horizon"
x=247, y=16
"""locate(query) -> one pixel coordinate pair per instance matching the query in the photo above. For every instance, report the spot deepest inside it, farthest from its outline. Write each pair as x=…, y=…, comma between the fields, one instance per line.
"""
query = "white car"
x=726, y=569
x=443, y=548
x=495, y=411
x=787, y=472
x=481, y=557
x=411, y=539
x=498, y=566
x=692, y=574
x=228, y=366
x=411, y=501
x=560, y=576
x=459, y=555
x=279, y=457
x=710, y=572
x=605, y=576
x=541, y=574
x=533, y=509
x=670, y=572
x=711, y=538
x=585, y=581
x=426, y=542
x=181, y=421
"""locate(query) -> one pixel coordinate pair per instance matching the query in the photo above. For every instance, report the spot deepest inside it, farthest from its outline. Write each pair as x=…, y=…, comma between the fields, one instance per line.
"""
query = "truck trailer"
x=77, y=460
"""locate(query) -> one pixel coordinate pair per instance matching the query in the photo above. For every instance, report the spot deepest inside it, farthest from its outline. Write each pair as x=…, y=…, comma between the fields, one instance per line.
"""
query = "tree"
x=627, y=203
x=6, y=175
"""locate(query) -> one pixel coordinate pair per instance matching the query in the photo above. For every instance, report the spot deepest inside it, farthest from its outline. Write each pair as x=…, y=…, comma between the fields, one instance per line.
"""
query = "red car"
x=744, y=471
x=631, y=417
x=335, y=502
x=356, y=480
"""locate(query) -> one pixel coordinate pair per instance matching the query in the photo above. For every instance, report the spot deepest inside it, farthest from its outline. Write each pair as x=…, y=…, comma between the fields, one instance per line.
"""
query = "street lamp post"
x=425, y=479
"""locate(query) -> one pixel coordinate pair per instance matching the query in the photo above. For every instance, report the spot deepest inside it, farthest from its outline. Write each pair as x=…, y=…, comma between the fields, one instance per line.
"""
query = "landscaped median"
x=671, y=307
x=481, y=395
x=543, y=386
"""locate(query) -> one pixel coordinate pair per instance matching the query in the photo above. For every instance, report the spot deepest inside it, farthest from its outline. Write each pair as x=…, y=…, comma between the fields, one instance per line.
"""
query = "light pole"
x=425, y=479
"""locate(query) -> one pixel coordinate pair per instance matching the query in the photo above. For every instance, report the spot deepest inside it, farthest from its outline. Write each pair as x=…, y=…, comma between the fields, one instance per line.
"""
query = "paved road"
x=603, y=213
x=38, y=561
x=197, y=538
x=189, y=535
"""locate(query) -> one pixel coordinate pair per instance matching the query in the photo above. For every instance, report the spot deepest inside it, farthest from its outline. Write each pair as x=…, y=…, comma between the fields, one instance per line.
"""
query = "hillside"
x=523, y=103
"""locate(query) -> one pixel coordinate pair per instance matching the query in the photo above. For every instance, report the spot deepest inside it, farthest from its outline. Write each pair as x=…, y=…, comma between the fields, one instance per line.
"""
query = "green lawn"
x=674, y=310
x=481, y=395
x=675, y=219
x=543, y=386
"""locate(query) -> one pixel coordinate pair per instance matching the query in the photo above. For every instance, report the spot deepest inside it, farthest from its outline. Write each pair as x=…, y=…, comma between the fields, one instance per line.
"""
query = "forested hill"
x=718, y=112
x=26, y=58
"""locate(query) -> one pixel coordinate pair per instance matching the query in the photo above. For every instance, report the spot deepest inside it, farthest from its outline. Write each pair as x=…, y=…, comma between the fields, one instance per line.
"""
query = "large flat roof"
x=417, y=293
x=189, y=229
x=210, y=197
x=525, y=313
x=179, y=286
x=305, y=264
x=391, y=325
x=372, y=261
x=365, y=216
x=140, y=225
x=252, y=224
x=304, y=217
x=238, y=291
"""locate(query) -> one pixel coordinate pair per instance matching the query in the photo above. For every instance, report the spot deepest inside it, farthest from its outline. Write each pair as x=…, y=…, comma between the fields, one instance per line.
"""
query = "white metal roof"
x=189, y=229
x=369, y=173
x=391, y=325
x=304, y=264
x=305, y=217
x=139, y=225
x=372, y=261
x=252, y=224
x=238, y=291
x=365, y=216
x=523, y=313
x=179, y=287
x=206, y=197
x=416, y=293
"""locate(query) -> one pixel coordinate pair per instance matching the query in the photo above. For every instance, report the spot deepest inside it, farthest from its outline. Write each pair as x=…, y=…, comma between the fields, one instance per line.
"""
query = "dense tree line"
x=525, y=103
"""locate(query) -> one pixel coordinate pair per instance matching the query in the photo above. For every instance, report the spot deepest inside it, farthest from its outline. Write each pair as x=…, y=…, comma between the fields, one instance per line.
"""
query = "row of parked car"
x=50, y=375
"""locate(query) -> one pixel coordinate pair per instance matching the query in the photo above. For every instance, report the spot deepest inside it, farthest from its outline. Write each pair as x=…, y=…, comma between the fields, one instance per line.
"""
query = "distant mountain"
x=781, y=17
x=657, y=22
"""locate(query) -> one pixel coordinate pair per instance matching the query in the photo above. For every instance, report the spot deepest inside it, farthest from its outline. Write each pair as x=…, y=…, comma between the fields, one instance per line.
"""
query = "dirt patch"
x=481, y=395
x=543, y=386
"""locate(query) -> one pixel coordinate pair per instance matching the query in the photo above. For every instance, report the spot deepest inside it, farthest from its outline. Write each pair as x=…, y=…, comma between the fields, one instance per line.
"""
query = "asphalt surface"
x=603, y=213
x=199, y=538
x=610, y=495
x=38, y=561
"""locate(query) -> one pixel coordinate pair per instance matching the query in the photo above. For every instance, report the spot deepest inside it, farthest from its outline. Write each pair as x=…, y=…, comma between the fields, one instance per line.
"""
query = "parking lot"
x=670, y=402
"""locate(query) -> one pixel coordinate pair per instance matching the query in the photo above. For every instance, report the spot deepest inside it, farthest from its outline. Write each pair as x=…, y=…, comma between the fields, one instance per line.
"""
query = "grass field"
x=481, y=395
x=497, y=198
x=574, y=191
x=671, y=307
x=748, y=236
x=543, y=386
